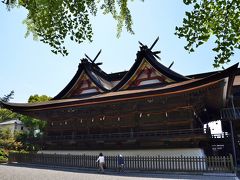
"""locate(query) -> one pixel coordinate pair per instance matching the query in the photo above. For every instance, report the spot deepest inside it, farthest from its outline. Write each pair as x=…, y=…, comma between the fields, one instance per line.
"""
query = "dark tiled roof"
x=104, y=81
x=110, y=95
x=202, y=75
x=187, y=85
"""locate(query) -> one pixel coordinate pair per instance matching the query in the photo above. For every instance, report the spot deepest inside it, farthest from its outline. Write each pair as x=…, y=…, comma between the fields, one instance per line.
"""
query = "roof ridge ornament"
x=145, y=47
x=154, y=43
x=171, y=65
x=93, y=61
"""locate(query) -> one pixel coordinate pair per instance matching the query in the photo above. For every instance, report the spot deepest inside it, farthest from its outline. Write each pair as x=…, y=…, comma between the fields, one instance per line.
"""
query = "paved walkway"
x=13, y=172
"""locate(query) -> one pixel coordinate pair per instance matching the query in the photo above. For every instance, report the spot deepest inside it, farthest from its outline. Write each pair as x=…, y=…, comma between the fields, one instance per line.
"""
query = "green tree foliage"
x=220, y=19
x=19, y=141
x=6, y=114
x=5, y=134
x=54, y=21
x=7, y=140
x=3, y=155
x=33, y=124
x=11, y=142
x=36, y=98
x=7, y=97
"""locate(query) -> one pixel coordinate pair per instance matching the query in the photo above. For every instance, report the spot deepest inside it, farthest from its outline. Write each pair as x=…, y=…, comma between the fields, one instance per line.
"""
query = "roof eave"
x=230, y=73
x=70, y=84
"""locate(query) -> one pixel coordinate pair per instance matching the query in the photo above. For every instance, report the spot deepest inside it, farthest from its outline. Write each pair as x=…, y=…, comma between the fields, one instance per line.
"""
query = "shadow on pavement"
x=145, y=174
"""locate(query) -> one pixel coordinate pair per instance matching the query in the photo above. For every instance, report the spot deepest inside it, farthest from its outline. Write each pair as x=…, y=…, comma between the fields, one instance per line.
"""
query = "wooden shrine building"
x=149, y=106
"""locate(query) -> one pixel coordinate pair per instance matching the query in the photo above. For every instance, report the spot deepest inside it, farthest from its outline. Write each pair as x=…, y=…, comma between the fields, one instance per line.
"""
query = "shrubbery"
x=8, y=142
x=3, y=155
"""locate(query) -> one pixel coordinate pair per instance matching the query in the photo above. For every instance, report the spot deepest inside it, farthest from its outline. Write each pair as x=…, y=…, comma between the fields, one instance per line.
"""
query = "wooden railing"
x=141, y=134
x=140, y=163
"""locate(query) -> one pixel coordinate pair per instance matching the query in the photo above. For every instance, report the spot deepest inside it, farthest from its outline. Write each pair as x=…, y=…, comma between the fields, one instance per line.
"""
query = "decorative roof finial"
x=154, y=43
x=93, y=61
x=171, y=65
x=144, y=48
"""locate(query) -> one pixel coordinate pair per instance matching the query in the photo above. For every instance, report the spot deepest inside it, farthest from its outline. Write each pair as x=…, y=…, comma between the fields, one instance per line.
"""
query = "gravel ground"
x=16, y=172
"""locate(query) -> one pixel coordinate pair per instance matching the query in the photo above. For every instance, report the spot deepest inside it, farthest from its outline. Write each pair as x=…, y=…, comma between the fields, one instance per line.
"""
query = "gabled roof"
x=145, y=54
x=103, y=82
x=95, y=74
x=224, y=78
x=202, y=75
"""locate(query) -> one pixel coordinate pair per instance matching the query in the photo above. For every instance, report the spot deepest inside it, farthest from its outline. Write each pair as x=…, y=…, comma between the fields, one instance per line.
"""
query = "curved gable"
x=84, y=85
x=88, y=80
x=146, y=74
x=147, y=71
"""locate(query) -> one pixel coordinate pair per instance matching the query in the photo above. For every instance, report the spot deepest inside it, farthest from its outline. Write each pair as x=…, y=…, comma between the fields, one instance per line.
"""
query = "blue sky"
x=28, y=67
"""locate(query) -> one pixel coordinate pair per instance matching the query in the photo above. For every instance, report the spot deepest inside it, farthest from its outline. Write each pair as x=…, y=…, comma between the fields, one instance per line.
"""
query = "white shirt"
x=100, y=159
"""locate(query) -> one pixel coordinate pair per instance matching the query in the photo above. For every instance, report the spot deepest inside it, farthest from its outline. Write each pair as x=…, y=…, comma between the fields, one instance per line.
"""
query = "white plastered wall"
x=187, y=152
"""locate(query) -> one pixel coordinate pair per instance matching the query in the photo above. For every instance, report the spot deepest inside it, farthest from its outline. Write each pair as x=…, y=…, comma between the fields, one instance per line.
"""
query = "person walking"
x=101, y=162
x=120, y=162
